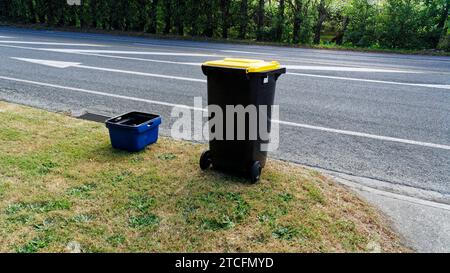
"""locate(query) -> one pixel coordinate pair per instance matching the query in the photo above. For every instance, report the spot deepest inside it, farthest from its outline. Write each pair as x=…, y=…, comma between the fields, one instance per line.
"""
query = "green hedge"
x=402, y=24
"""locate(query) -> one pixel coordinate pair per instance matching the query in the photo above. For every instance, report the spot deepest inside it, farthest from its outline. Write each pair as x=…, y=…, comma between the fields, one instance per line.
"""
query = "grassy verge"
x=62, y=185
x=232, y=41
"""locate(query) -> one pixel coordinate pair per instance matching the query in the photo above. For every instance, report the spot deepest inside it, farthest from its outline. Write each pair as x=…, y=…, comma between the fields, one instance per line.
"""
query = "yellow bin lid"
x=250, y=66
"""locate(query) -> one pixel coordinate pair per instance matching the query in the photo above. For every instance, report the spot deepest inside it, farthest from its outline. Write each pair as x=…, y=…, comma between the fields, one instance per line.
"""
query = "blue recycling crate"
x=133, y=131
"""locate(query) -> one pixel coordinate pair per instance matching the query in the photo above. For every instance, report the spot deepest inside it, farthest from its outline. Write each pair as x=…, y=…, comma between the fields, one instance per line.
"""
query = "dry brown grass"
x=60, y=182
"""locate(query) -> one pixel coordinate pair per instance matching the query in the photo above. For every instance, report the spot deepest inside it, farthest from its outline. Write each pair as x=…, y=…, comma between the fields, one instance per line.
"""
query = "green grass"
x=34, y=245
x=144, y=220
x=38, y=206
x=61, y=182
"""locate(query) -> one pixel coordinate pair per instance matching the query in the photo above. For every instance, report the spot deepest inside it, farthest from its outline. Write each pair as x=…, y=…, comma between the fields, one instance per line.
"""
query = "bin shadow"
x=106, y=153
x=229, y=177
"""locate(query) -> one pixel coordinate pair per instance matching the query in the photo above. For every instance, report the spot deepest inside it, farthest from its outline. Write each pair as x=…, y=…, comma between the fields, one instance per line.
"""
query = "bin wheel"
x=255, y=172
x=205, y=160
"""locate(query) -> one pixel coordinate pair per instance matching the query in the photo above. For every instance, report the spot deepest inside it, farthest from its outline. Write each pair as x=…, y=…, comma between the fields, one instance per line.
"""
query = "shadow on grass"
x=106, y=153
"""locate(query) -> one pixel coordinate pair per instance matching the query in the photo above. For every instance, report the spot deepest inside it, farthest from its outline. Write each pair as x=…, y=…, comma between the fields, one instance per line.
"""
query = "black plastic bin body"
x=236, y=86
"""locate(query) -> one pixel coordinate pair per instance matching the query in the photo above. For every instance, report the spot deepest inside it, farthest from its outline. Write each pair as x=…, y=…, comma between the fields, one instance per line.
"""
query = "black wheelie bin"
x=240, y=82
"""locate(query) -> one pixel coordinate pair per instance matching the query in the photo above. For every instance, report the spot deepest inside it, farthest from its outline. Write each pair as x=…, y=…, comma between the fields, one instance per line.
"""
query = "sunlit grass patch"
x=65, y=186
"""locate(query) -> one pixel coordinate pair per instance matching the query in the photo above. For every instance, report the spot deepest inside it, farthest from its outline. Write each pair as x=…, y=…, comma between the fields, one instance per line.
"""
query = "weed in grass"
x=144, y=220
x=44, y=225
x=46, y=167
x=39, y=207
x=283, y=209
x=15, y=208
x=82, y=218
x=141, y=203
x=314, y=193
x=47, y=206
x=286, y=197
x=23, y=219
x=285, y=233
x=82, y=191
x=188, y=211
x=34, y=245
x=167, y=156
x=216, y=210
x=120, y=177
x=214, y=225
x=266, y=217
x=242, y=207
x=116, y=240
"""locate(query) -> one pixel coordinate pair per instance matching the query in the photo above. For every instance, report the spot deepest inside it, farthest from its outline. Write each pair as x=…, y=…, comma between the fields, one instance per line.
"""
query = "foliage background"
x=393, y=24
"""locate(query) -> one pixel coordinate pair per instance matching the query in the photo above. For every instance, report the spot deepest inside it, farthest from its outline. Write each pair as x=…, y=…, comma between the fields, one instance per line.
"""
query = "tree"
x=193, y=18
x=444, y=17
x=167, y=8
x=322, y=13
x=152, y=28
x=5, y=7
x=243, y=19
x=179, y=8
x=209, y=26
x=399, y=24
x=260, y=20
x=281, y=20
x=362, y=16
x=225, y=10
x=438, y=12
x=409, y=24
x=300, y=12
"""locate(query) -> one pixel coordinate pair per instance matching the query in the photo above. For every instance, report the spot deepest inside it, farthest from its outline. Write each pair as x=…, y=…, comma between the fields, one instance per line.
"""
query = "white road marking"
x=293, y=67
x=346, y=69
x=107, y=56
x=288, y=123
x=48, y=43
x=358, y=134
x=247, y=52
x=292, y=59
x=368, y=63
x=81, y=51
x=439, y=86
x=87, y=91
x=125, y=52
x=56, y=64
x=60, y=64
x=140, y=59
